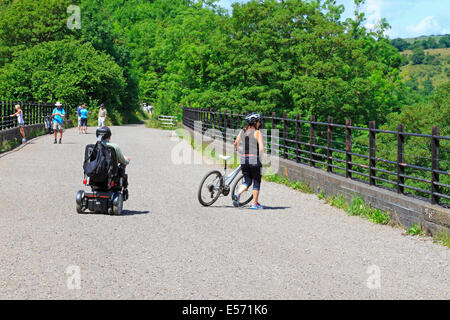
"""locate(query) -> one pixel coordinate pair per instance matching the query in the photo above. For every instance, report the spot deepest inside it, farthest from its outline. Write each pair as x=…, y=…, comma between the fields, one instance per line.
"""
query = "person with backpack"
x=104, y=136
x=253, y=149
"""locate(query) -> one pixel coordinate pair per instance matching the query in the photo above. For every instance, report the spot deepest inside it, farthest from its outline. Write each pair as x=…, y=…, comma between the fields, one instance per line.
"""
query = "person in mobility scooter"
x=104, y=171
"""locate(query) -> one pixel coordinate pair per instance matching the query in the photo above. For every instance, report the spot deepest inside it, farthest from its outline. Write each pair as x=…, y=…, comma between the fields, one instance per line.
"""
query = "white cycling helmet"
x=252, y=118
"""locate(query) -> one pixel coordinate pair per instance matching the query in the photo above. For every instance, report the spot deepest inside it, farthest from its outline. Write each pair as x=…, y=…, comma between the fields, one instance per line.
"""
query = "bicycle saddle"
x=224, y=157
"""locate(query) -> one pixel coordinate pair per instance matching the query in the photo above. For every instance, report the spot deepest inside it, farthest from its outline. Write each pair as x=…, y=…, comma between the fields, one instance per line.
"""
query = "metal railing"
x=167, y=121
x=409, y=163
x=33, y=112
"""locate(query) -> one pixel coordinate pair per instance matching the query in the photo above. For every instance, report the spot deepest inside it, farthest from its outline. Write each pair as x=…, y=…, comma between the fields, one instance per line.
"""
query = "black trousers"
x=123, y=175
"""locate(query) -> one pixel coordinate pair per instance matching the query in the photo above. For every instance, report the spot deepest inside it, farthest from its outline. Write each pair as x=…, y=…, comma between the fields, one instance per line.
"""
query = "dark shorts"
x=83, y=122
x=252, y=174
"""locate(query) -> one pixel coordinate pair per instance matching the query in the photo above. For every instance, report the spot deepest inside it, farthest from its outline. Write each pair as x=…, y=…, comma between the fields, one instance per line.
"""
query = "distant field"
x=412, y=40
x=438, y=74
x=442, y=51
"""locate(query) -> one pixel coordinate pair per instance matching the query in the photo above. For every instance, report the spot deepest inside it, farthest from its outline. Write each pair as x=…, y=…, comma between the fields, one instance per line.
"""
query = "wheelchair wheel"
x=117, y=205
x=79, y=200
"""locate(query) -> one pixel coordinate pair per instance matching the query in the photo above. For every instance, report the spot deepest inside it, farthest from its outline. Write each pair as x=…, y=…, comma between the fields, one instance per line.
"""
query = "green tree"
x=66, y=70
x=418, y=56
x=24, y=23
x=400, y=44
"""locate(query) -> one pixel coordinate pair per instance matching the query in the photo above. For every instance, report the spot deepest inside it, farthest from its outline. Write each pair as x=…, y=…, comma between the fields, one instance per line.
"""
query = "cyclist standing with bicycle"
x=253, y=149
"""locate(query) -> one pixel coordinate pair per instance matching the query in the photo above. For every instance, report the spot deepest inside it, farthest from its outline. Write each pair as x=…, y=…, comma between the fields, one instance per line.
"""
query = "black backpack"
x=97, y=165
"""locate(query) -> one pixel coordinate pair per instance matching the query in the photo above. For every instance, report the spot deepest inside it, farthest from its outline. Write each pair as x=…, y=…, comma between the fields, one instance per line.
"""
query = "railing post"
x=216, y=119
x=274, y=126
x=219, y=120
x=1, y=115
x=224, y=134
x=239, y=118
x=284, y=136
x=312, y=141
x=263, y=121
x=225, y=123
x=202, y=119
x=329, y=145
x=232, y=125
x=348, y=148
x=210, y=118
x=297, y=137
x=400, y=159
x=372, y=150
x=434, y=165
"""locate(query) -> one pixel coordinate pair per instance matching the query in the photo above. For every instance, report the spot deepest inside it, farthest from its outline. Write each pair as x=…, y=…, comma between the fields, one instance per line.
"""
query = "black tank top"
x=251, y=145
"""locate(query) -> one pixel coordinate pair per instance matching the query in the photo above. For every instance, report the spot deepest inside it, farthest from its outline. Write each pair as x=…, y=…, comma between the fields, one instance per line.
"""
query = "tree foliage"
x=294, y=56
x=66, y=70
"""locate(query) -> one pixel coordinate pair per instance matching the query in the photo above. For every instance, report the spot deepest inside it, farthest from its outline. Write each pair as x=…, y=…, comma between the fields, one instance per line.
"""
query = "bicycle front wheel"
x=210, y=188
x=246, y=196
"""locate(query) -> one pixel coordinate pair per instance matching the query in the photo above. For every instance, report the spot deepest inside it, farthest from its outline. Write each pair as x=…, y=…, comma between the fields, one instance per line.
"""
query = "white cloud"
x=428, y=25
x=373, y=13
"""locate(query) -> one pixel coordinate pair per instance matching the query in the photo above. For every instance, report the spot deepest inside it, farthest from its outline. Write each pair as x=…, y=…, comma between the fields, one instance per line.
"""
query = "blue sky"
x=408, y=18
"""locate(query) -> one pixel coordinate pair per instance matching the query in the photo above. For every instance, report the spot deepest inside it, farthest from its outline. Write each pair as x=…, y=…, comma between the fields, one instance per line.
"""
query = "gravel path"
x=167, y=246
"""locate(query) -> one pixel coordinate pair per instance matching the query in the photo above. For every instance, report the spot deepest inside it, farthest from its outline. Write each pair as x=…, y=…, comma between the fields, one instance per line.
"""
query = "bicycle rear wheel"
x=246, y=196
x=210, y=188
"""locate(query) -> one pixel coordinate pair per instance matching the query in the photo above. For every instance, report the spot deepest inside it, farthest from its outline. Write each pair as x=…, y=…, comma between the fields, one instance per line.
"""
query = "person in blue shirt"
x=58, y=116
x=79, y=118
x=83, y=117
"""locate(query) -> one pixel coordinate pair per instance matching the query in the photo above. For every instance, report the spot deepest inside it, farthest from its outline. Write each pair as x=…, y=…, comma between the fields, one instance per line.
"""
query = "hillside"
x=438, y=71
x=421, y=38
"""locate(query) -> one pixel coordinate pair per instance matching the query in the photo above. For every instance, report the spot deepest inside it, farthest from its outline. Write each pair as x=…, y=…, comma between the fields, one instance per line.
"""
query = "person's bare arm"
x=259, y=138
x=15, y=114
x=236, y=142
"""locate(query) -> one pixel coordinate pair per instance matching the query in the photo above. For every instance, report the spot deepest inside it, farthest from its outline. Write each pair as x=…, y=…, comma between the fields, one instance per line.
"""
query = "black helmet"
x=105, y=132
x=252, y=118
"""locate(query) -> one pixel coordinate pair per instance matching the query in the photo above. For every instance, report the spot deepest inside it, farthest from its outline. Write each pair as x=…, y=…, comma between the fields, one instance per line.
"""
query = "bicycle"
x=48, y=124
x=220, y=185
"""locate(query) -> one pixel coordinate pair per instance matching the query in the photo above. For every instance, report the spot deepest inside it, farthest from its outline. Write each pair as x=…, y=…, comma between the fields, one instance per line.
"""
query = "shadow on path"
x=274, y=208
x=248, y=207
x=133, y=212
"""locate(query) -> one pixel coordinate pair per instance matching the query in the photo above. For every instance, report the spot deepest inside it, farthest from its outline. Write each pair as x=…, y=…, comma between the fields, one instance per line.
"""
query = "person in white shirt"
x=20, y=122
x=102, y=116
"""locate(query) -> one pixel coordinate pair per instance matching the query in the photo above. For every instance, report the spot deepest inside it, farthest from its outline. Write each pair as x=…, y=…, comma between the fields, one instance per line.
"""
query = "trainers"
x=235, y=198
x=24, y=140
x=59, y=141
x=256, y=206
x=55, y=142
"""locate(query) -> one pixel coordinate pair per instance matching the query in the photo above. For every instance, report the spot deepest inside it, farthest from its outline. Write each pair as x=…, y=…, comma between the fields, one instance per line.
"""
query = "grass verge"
x=416, y=230
x=8, y=145
x=443, y=238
